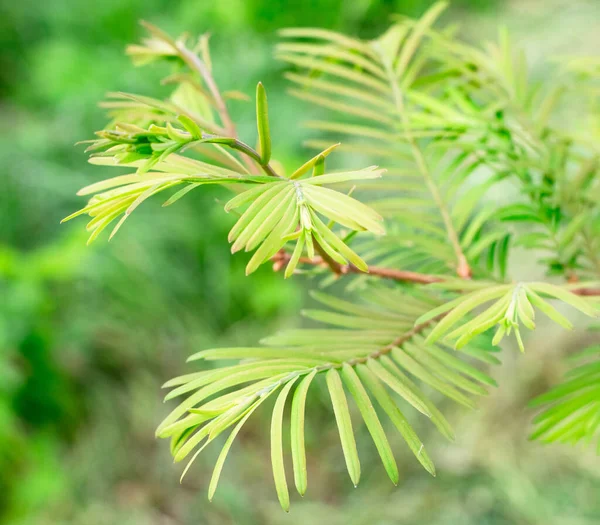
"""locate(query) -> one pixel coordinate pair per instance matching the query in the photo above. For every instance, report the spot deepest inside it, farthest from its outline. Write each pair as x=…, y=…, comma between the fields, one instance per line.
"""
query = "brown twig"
x=282, y=258
x=586, y=292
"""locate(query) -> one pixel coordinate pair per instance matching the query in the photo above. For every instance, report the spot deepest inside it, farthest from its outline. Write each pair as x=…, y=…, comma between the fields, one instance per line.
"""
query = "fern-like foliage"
x=373, y=350
x=389, y=343
x=165, y=144
x=572, y=414
x=403, y=119
x=512, y=306
x=455, y=126
x=452, y=122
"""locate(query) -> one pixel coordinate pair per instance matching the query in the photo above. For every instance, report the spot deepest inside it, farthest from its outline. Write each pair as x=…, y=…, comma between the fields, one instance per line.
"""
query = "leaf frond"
x=368, y=351
x=571, y=412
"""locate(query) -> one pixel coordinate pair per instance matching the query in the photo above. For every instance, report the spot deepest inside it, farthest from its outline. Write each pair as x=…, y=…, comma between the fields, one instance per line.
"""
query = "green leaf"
x=549, y=310
x=328, y=36
x=342, y=89
x=482, y=322
x=572, y=415
x=459, y=365
x=370, y=114
x=343, y=205
x=525, y=310
x=345, y=176
x=262, y=119
x=214, y=480
x=312, y=162
x=371, y=420
x=343, y=71
x=414, y=39
x=191, y=461
x=565, y=296
x=225, y=372
x=181, y=193
x=439, y=310
x=246, y=197
x=319, y=168
x=191, y=126
x=286, y=200
x=436, y=416
x=230, y=416
x=257, y=212
x=274, y=241
x=344, y=423
x=399, y=386
x=297, y=433
x=230, y=380
x=295, y=258
x=258, y=352
x=277, y=447
x=338, y=245
x=326, y=247
x=400, y=422
x=463, y=307
x=416, y=369
x=333, y=52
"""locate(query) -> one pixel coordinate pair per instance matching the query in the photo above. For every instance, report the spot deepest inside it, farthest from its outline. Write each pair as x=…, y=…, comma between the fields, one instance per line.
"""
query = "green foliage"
x=466, y=122
x=280, y=208
x=513, y=305
x=574, y=411
x=454, y=124
x=370, y=349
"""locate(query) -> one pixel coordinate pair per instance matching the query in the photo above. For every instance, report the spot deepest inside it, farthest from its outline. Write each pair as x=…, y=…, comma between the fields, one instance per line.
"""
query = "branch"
x=196, y=64
x=586, y=292
x=281, y=258
x=237, y=144
x=463, y=269
x=399, y=341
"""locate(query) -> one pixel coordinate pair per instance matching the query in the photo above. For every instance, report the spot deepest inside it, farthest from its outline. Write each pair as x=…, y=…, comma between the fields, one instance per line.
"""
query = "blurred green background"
x=88, y=335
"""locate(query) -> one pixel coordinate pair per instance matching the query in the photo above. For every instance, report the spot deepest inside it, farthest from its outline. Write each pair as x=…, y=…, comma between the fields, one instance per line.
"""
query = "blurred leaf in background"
x=87, y=335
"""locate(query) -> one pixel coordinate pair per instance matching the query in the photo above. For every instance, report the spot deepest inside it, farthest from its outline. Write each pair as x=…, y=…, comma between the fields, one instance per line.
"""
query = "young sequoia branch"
x=398, y=337
x=248, y=153
x=194, y=62
x=463, y=269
